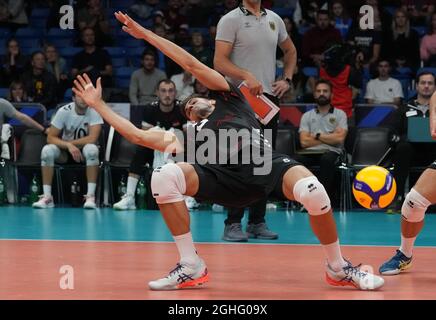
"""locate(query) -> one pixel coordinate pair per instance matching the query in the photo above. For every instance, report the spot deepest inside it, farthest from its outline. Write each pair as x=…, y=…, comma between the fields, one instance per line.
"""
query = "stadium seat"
x=420, y=30
x=118, y=62
x=32, y=33
x=61, y=42
x=59, y=33
x=69, y=52
x=123, y=83
x=310, y=72
x=427, y=69
x=124, y=72
x=130, y=43
x=40, y=13
x=68, y=95
x=38, y=23
x=4, y=92
x=115, y=52
x=283, y=12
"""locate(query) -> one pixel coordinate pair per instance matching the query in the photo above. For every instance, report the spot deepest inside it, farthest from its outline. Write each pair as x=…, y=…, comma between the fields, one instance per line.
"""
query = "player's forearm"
x=29, y=122
x=79, y=143
x=225, y=66
x=331, y=138
x=308, y=142
x=58, y=142
x=157, y=140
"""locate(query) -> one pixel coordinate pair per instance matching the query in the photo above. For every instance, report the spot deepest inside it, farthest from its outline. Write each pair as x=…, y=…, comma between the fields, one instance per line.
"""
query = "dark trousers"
x=257, y=210
x=407, y=154
x=327, y=167
x=142, y=156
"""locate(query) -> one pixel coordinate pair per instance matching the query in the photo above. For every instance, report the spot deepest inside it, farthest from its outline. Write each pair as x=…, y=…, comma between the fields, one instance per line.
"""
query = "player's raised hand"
x=131, y=26
x=84, y=89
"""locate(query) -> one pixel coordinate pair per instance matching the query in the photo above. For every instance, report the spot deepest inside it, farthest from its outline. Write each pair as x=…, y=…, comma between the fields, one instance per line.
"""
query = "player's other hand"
x=84, y=89
x=131, y=26
x=254, y=85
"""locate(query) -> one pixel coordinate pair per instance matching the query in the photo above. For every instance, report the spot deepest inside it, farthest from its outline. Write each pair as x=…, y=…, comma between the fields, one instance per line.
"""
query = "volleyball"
x=374, y=187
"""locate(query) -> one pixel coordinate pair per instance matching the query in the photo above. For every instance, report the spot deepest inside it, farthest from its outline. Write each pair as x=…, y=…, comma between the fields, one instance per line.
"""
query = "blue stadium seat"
x=130, y=43
x=420, y=30
x=427, y=69
x=411, y=94
x=303, y=29
x=122, y=4
x=60, y=42
x=29, y=43
x=40, y=13
x=23, y=33
x=4, y=92
x=116, y=52
x=122, y=82
x=282, y=12
x=124, y=72
x=5, y=33
x=119, y=62
x=310, y=72
x=69, y=52
x=68, y=95
x=38, y=23
x=29, y=50
x=59, y=33
x=203, y=31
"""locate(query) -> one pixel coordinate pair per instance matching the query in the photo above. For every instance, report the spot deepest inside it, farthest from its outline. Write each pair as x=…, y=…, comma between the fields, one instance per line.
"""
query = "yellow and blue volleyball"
x=374, y=187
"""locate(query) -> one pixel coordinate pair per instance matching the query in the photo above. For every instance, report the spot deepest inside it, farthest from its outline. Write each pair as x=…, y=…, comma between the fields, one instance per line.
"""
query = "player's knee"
x=48, y=155
x=90, y=153
x=168, y=184
x=414, y=206
x=312, y=195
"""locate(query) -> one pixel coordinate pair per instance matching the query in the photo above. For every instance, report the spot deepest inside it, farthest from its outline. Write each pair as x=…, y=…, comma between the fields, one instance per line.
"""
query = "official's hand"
x=280, y=87
x=131, y=26
x=84, y=89
x=254, y=85
x=75, y=152
x=433, y=129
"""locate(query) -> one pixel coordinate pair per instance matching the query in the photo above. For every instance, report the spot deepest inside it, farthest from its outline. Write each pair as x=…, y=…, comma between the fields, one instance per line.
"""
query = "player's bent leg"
x=301, y=185
x=169, y=184
x=420, y=197
x=49, y=154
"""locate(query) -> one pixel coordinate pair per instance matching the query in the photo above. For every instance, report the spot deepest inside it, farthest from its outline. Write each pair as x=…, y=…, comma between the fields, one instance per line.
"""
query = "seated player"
x=420, y=197
x=238, y=184
x=80, y=127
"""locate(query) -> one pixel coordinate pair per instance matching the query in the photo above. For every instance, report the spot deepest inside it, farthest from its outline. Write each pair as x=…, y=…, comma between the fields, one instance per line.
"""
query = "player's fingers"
x=87, y=79
x=82, y=81
x=78, y=86
x=77, y=92
x=99, y=83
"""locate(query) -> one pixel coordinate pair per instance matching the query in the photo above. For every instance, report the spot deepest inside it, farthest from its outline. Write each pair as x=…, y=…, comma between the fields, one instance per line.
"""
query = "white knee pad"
x=312, y=195
x=6, y=132
x=49, y=154
x=168, y=184
x=414, y=206
x=90, y=153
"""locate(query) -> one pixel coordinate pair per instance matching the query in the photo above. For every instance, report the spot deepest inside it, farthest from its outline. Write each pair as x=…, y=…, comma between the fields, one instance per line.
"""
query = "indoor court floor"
x=113, y=254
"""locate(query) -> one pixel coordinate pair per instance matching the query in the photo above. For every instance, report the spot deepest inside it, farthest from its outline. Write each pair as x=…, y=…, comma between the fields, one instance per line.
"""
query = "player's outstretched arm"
x=164, y=141
x=207, y=76
x=433, y=116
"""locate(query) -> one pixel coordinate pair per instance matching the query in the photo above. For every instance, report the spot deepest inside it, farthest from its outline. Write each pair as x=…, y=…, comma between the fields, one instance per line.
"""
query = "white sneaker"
x=44, y=202
x=191, y=203
x=354, y=277
x=217, y=208
x=182, y=276
x=89, y=202
x=127, y=202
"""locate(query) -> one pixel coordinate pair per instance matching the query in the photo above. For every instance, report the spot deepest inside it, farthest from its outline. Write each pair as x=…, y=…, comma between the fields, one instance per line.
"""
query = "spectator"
x=228, y=5
x=322, y=135
x=384, y=89
x=143, y=8
x=197, y=13
x=406, y=153
x=80, y=127
x=143, y=82
x=184, y=83
x=419, y=11
x=182, y=36
x=93, y=16
x=95, y=61
x=340, y=18
x=343, y=77
x=13, y=14
x=39, y=83
x=318, y=39
x=17, y=92
x=200, y=88
x=173, y=18
x=13, y=63
x=212, y=37
x=305, y=14
x=401, y=43
x=8, y=110
x=57, y=66
x=249, y=54
x=199, y=51
x=428, y=44
x=367, y=41
x=165, y=113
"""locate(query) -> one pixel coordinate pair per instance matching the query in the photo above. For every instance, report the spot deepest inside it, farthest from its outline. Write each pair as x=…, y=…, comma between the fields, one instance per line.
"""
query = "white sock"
x=407, y=246
x=47, y=190
x=131, y=185
x=187, y=252
x=334, y=255
x=91, y=189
